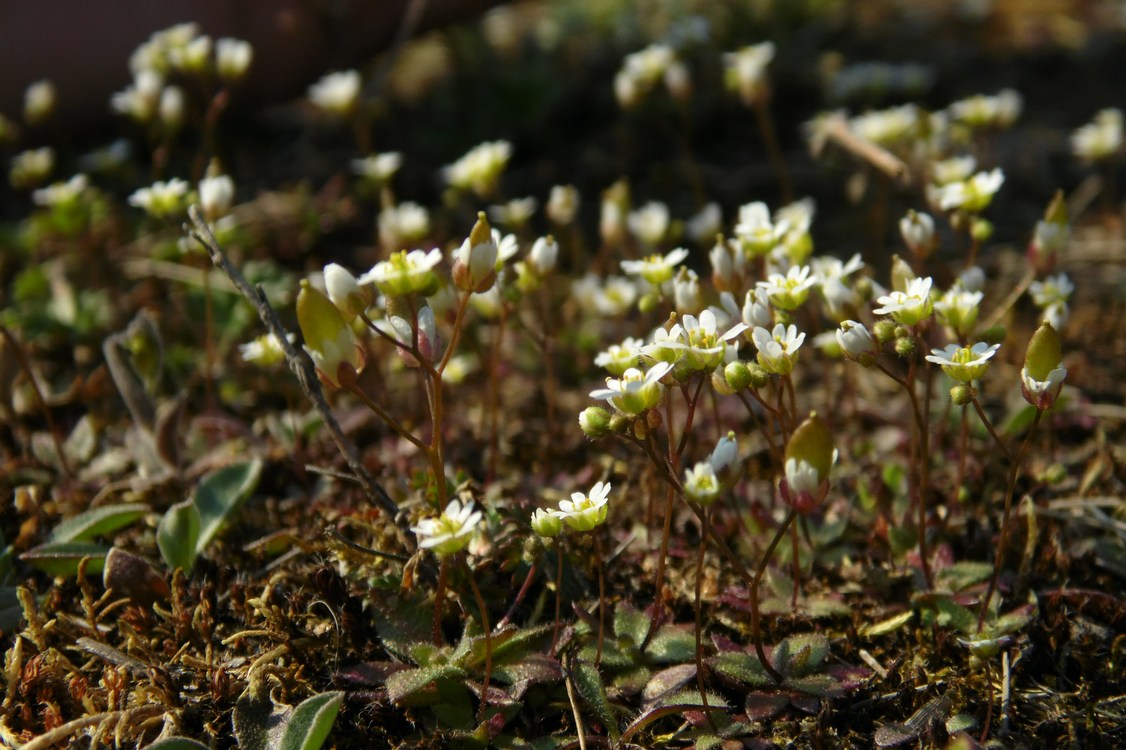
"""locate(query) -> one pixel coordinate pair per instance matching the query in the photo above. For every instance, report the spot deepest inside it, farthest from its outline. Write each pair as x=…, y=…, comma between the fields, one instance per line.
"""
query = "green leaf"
x=177, y=535
x=220, y=494
x=98, y=522
x=311, y=721
x=408, y=682
x=176, y=743
x=589, y=684
x=672, y=644
x=964, y=574
x=63, y=558
x=800, y=654
x=632, y=624
x=742, y=667
x=821, y=685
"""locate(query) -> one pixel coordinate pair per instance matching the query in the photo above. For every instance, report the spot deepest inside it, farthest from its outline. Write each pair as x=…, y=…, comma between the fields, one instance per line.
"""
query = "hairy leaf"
x=97, y=522
x=63, y=558
x=311, y=721
x=589, y=684
x=410, y=681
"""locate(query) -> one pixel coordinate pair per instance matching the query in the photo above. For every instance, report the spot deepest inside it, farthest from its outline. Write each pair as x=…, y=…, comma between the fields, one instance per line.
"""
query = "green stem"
x=487, y=629
x=756, y=627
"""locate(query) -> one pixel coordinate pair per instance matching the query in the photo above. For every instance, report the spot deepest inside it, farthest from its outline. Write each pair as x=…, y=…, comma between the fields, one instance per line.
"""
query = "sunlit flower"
x=953, y=169
x=337, y=93
x=39, y=102
x=265, y=350
x=563, y=204
x=778, y=349
x=216, y=194
x=61, y=193
x=857, y=343
x=757, y=312
x=405, y=273
x=981, y=111
x=379, y=168
x=232, y=57
x=328, y=339
x=704, y=346
x=964, y=363
x=451, y=531
x=515, y=213
x=755, y=232
x=403, y=224
x=1100, y=139
x=162, y=199
x=617, y=358
x=635, y=391
x=701, y=484
x=480, y=169
x=810, y=456
x=908, y=307
x=32, y=167
x=831, y=275
x=745, y=71
x=958, y=309
x=788, y=292
x=584, y=512
x=1043, y=373
x=973, y=195
x=703, y=226
x=650, y=223
x=656, y=268
x=547, y=523
x=613, y=295
x=887, y=127
x=917, y=230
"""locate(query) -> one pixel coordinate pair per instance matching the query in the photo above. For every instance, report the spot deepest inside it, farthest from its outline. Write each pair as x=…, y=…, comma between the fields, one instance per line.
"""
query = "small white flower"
x=778, y=349
x=1100, y=139
x=635, y=391
x=788, y=292
x=701, y=485
x=563, y=204
x=405, y=273
x=337, y=93
x=1040, y=387
x=617, y=358
x=887, y=127
x=686, y=291
x=964, y=363
x=908, y=307
x=584, y=512
x=757, y=312
x=974, y=194
x=265, y=350
x=543, y=255
x=981, y=111
x=232, y=57
x=954, y=169
x=656, y=268
x=547, y=523
x=141, y=99
x=611, y=296
x=404, y=224
x=216, y=194
x=755, y=232
x=650, y=223
x=857, y=342
x=1052, y=290
x=39, y=102
x=703, y=226
x=745, y=70
x=832, y=278
x=451, y=531
x=958, y=309
x=379, y=168
x=802, y=477
x=161, y=199
x=515, y=213
x=32, y=167
x=61, y=193
x=479, y=170
x=917, y=230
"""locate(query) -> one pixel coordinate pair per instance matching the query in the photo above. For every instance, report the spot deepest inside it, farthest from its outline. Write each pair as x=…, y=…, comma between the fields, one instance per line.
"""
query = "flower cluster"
x=583, y=512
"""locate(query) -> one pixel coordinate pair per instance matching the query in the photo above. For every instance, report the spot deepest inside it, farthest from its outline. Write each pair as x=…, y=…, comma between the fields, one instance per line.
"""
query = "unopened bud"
x=595, y=422
x=981, y=229
x=905, y=346
x=884, y=330
x=474, y=268
x=962, y=394
x=737, y=375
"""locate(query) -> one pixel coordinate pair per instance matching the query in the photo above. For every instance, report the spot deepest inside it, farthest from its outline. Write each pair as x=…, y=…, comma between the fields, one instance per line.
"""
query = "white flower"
x=30, y=168
x=802, y=477
x=745, y=70
x=1040, y=387
x=650, y=223
x=857, y=342
x=917, y=230
x=216, y=194
x=832, y=278
x=584, y=512
x=547, y=523
x=543, y=255
x=757, y=312
x=755, y=232
x=450, y=532
x=161, y=199
x=908, y=307
x=974, y=194
x=778, y=349
x=1100, y=139
x=141, y=99
x=981, y=111
x=479, y=169
x=39, y=102
x=703, y=226
x=337, y=93
x=656, y=268
x=887, y=127
x=613, y=295
x=191, y=56
x=686, y=291
x=954, y=169
x=724, y=459
x=964, y=363
x=958, y=309
x=264, y=350
x=788, y=292
x=345, y=292
x=405, y=273
x=378, y=168
x=617, y=358
x=563, y=204
x=232, y=57
x=507, y=248
x=703, y=345
x=61, y=193
x=515, y=213
x=635, y=391
x=404, y=224
x=1057, y=314
x=701, y=484
x=1052, y=290
x=972, y=279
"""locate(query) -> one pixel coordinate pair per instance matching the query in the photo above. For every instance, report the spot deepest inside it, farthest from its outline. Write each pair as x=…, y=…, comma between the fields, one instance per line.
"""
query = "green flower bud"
x=595, y=422
x=962, y=394
x=905, y=346
x=474, y=268
x=981, y=229
x=328, y=338
x=1044, y=353
x=884, y=330
x=546, y=524
x=812, y=442
x=759, y=376
x=620, y=423
x=737, y=375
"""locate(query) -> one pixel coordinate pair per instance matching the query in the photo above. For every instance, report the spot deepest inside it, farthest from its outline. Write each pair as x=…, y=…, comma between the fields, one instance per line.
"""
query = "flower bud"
x=547, y=524
x=917, y=229
x=346, y=293
x=232, y=58
x=562, y=204
x=905, y=346
x=595, y=422
x=619, y=423
x=884, y=330
x=216, y=193
x=981, y=229
x=738, y=376
x=328, y=339
x=809, y=457
x=543, y=255
x=962, y=394
x=857, y=343
x=39, y=102
x=1050, y=237
x=1042, y=375
x=474, y=267
x=172, y=108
